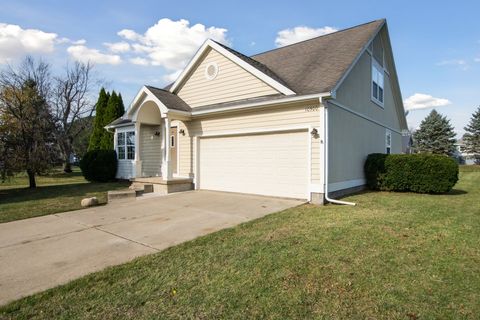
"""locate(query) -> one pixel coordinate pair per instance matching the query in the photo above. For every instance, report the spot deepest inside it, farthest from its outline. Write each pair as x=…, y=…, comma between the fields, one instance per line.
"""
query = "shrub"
x=422, y=173
x=99, y=165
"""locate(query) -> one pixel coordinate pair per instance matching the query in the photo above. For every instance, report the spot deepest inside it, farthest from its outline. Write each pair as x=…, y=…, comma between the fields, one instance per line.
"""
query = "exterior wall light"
x=314, y=132
x=157, y=133
x=182, y=132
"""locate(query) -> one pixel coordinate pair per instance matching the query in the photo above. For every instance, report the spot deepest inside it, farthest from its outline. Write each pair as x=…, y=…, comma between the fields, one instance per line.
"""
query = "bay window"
x=126, y=145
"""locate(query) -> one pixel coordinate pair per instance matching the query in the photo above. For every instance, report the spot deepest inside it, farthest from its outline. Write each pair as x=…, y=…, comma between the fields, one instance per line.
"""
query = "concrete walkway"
x=40, y=253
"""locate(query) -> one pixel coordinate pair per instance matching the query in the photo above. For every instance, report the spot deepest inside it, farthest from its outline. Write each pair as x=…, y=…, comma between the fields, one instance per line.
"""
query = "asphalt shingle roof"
x=316, y=65
x=170, y=100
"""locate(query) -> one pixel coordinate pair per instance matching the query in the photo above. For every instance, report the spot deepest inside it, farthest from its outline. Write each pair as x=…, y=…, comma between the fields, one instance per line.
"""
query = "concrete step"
x=144, y=187
x=121, y=195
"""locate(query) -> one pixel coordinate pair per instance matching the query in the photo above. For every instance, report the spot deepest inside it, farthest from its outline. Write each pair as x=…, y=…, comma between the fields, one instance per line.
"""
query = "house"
x=461, y=155
x=296, y=121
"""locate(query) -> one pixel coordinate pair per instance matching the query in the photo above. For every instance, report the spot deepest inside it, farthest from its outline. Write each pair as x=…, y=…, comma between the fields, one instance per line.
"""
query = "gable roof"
x=317, y=65
x=170, y=100
x=236, y=57
x=255, y=64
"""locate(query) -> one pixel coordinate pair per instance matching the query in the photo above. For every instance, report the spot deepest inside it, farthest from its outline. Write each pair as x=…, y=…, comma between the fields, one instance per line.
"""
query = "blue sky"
x=436, y=45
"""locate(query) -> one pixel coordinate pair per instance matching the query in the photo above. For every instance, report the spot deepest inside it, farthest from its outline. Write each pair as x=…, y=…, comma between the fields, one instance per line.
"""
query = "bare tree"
x=71, y=102
x=26, y=123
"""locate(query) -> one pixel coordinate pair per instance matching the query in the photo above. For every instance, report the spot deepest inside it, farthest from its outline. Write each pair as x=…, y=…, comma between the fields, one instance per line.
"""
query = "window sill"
x=378, y=103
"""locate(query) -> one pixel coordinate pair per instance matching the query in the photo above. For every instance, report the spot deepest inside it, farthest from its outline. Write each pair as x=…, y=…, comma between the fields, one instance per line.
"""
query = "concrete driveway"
x=40, y=253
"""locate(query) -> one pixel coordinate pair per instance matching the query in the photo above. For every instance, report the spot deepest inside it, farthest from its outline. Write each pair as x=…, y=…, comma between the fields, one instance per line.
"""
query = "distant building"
x=461, y=155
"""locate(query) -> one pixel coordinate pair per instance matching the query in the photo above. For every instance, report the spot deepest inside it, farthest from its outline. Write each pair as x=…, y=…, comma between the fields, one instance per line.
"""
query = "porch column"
x=137, y=162
x=167, y=166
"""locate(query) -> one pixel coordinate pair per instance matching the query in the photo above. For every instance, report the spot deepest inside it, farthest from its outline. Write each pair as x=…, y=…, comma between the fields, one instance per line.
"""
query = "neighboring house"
x=462, y=156
x=297, y=121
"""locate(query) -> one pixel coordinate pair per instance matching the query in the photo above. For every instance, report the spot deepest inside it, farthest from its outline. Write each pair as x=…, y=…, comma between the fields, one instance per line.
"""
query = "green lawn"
x=394, y=256
x=56, y=192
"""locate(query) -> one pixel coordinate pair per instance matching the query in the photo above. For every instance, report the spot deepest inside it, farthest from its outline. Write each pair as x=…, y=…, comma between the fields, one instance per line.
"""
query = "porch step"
x=141, y=188
x=159, y=185
x=121, y=195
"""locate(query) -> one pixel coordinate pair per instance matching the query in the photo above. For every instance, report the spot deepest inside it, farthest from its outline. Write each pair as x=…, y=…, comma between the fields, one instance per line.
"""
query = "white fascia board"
x=190, y=65
x=262, y=104
x=138, y=97
x=178, y=114
x=129, y=124
x=248, y=67
x=359, y=55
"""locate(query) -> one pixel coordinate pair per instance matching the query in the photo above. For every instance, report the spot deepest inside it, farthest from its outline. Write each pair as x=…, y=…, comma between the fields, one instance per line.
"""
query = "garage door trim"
x=243, y=132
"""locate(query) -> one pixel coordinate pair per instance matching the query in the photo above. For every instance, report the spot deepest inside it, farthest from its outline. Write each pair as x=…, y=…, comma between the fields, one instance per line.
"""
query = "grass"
x=55, y=192
x=393, y=256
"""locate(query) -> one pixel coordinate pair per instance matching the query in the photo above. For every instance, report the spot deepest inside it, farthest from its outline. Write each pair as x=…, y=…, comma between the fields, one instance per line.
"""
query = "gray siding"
x=352, y=138
x=150, y=151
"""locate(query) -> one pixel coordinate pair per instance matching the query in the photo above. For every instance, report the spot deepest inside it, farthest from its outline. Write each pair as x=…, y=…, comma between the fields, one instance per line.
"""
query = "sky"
x=436, y=44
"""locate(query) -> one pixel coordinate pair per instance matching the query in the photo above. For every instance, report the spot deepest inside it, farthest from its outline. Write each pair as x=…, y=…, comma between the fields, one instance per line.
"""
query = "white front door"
x=273, y=164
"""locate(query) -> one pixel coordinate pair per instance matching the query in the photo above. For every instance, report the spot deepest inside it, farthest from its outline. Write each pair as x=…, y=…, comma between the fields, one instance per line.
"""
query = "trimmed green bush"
x=99, y=165
x=422, y=173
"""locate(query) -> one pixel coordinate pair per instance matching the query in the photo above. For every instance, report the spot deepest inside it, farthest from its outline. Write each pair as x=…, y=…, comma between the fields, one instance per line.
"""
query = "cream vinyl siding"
x=231, y=83
x=270, y=118
x=150, y=151
x=271, y=164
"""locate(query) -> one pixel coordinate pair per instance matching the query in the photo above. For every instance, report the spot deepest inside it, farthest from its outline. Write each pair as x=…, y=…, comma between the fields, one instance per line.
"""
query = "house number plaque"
x=311, y=108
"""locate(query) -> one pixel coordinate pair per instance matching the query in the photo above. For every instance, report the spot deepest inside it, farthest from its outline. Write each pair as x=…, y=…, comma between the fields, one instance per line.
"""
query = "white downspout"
x=325, y=107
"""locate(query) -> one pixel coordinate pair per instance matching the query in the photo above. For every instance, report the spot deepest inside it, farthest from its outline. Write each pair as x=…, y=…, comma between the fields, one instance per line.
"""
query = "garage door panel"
x=267, y=164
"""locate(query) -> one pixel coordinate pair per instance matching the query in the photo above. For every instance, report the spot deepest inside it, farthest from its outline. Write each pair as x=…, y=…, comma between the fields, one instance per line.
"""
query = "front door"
x=173, y=149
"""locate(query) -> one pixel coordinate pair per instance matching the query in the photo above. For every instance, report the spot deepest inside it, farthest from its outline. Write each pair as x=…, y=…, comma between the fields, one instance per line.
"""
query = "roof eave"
x=261, y=104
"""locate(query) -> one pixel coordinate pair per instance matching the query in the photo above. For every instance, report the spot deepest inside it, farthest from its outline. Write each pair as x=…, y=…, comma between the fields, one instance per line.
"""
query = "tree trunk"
x=67, y=151
x=67, y=166
x=31, y=179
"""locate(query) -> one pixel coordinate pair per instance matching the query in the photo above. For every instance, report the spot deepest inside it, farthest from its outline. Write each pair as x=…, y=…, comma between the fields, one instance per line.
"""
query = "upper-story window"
x=126, y=145
x=377, y=83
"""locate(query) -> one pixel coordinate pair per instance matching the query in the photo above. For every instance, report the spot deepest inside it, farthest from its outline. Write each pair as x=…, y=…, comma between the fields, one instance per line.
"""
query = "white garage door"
x=266, y=164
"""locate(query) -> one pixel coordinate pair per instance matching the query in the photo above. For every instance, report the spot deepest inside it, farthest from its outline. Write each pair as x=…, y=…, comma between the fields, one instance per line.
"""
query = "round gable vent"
x=211, y=71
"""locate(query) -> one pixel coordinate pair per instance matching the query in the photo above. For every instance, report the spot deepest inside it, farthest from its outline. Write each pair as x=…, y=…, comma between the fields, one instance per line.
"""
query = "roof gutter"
x=259, y=104
x=107, y=127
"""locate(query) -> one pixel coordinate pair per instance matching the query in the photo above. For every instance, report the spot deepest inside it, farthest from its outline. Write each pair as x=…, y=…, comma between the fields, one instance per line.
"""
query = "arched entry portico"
x=152, y=122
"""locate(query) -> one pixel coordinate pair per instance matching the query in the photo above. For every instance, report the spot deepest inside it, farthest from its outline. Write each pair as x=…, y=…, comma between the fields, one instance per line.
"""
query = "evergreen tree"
x=98, y=123
x=120, y=107
x=472, y=136
x=435, y=135
x=114, y=110
x=109, y=115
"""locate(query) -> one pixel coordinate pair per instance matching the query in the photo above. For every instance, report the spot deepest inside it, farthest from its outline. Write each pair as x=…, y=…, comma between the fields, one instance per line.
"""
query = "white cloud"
x=129, y=34
x=424, y=101
x=15, y=42
x=300, y=33
x=69, y=41
x=477, y=59
x=139, y=61
x=84, y=54
x=118, y=47
x=460, y=63
x=171, y=44
x=172, y=76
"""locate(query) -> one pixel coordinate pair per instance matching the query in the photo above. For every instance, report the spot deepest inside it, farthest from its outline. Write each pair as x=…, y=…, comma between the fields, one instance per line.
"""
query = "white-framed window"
x=388, y=141
x=377, y=82
x=126, y=145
